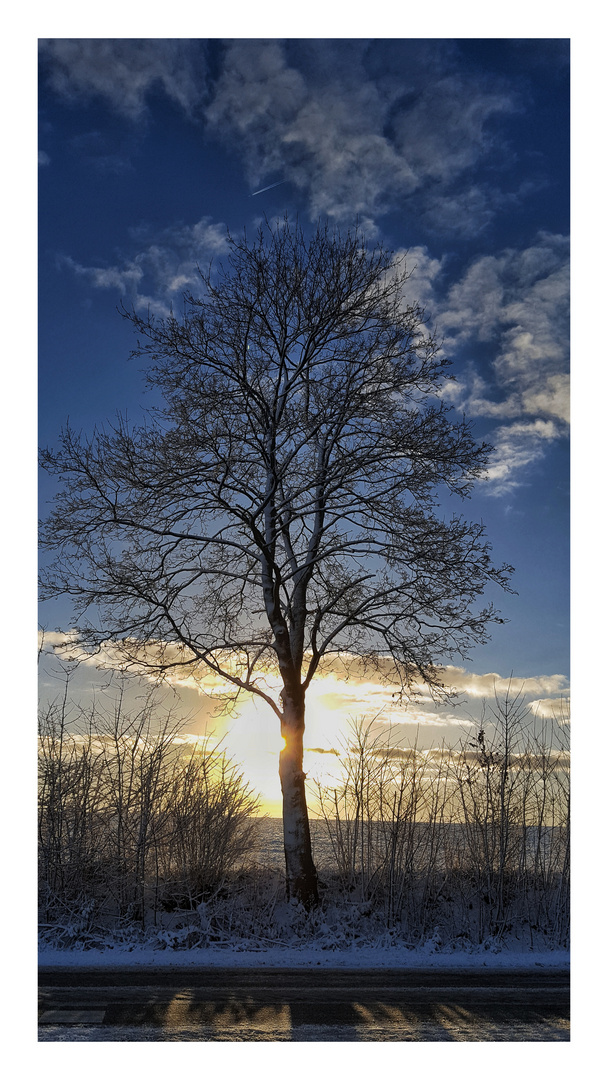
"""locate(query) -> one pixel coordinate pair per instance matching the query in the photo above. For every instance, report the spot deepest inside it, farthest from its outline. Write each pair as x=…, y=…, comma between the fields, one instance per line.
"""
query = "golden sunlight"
x=252, y=737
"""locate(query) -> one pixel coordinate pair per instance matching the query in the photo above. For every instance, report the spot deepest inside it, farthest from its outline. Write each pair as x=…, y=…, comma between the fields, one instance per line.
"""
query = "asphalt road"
x=266, y=1005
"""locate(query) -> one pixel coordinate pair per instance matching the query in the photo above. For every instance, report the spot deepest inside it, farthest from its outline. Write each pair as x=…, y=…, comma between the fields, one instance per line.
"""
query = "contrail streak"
x=278, y=183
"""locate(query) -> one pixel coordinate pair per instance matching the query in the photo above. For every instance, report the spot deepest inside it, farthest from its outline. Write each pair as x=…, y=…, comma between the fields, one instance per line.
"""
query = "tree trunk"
x=299, y=866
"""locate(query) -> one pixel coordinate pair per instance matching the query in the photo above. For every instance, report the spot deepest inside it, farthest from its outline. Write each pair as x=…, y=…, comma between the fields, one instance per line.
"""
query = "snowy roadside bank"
x=305, y=957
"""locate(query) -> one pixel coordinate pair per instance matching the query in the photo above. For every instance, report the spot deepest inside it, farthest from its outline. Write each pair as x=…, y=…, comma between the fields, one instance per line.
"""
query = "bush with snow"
x=145, y=841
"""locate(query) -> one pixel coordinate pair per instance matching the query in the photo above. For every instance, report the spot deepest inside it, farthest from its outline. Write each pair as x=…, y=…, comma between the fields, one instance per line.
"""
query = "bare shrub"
x=141, y=827
x=208, y=829
x=383, y=822
x=473, y=839
x=511, y=795
x=130, y=817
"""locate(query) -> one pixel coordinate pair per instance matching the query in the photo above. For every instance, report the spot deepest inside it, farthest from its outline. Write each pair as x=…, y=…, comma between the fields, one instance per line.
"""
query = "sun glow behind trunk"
x=252, y=735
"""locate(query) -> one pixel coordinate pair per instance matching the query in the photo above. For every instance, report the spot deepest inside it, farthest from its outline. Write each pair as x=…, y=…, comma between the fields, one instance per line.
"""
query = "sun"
x=252, y=738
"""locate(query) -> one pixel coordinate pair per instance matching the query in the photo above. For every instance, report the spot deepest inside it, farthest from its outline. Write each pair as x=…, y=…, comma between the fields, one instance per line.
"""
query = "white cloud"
x=516, y=448
x=553, y=398
x=325, y=138
x=518, y=299
x=552, y=708
x=165, y=266
x=445, y=131
x=347, y=166
x=515, y=304
x=355, y=143
x=491, y=684
x=256, y=97
x=123, y=70
x=56, y=640
x=345, y=690
x=425, y=274
x=125, y=278
x=423, y=718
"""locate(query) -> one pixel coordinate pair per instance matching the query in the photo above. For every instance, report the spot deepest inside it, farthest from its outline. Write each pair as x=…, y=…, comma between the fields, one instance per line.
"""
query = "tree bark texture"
x=299, y=865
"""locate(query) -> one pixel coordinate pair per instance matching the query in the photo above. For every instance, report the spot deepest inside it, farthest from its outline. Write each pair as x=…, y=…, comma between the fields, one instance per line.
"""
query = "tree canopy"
x=281, y=505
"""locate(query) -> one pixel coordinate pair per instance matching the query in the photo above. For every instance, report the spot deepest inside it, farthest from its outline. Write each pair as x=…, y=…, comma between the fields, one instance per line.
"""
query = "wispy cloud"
x=517, y=300
x=445, y=130
x=123, y=71
x=163, y=267
x=516, y=447
x=359, y=128
x=552, y=708
x=354, y=139
x=515, y=305
x=346, y=688
x=491, y=683
x=356, y=126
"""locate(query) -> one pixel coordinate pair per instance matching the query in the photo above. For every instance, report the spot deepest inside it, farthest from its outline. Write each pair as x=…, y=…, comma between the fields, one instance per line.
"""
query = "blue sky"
x=456, y=151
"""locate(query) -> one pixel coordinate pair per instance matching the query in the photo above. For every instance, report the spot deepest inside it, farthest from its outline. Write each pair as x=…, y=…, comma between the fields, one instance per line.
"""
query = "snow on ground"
x=305, y=957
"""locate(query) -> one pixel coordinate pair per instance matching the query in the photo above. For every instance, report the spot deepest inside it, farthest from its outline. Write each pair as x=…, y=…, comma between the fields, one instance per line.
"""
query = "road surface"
x=265, y=1005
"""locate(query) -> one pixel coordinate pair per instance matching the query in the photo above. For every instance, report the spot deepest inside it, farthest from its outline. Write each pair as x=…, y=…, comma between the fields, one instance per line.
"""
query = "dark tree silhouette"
x=282, y=505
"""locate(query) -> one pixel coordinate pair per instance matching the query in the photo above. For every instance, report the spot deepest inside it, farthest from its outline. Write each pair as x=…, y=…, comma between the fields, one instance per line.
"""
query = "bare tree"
x=281, y=505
